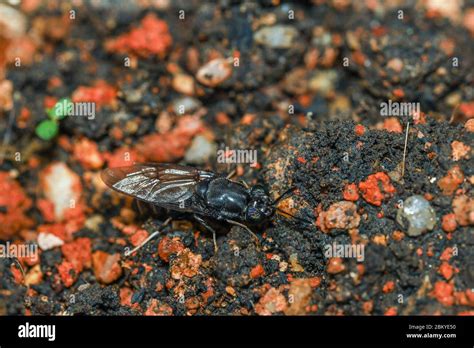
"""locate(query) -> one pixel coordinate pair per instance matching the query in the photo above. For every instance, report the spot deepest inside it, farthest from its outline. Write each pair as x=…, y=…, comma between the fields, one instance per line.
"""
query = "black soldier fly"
x=203, y=194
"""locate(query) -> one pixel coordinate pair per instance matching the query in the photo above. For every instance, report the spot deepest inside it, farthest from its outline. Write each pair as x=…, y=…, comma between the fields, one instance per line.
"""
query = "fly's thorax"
x=227, y=196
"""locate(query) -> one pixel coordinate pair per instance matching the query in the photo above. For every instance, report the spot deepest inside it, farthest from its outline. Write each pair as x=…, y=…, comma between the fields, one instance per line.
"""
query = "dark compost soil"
x=314, y=121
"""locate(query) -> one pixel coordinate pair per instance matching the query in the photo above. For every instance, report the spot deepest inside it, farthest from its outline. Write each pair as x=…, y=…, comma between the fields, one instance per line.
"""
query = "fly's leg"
x=150, y=237
x=245, y=184
x=147, y=209
x=142, y=208
x=232, y=222
x=232, y=173
x=206, y=225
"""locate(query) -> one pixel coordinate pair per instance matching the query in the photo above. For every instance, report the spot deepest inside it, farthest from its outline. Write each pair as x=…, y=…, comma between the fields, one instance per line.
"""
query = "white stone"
x=62, y=187
x=47, y=241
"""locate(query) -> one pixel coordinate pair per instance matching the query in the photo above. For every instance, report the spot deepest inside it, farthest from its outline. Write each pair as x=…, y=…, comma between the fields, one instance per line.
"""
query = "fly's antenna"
x=291, y=189
x=295, y=217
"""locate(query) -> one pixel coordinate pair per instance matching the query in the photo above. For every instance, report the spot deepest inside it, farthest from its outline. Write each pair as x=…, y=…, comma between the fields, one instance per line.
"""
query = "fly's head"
x=260, y=207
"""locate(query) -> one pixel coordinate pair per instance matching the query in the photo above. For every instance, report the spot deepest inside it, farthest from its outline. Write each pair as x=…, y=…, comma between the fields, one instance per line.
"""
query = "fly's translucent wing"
x=158, y=183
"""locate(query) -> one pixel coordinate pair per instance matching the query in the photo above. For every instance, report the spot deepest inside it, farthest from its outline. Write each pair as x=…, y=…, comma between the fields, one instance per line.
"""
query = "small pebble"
x=418, y=213
x=468, y=20
x=335, y=265
x=200, y=151
x=450, y=9
x=47, y=241
x=448, y=223
x=106, y=267
x=230, y=290
x=277, y=36
x=463, y=208
x=459, y=150
x=12, y=22
x=300, y=292
x=34, y=276
x=183, y=83
x=272, y=302
x=214, y=72
x=6, y=95
x=323, y=82
x=62, y=186
x=186, y=264
x=185, y=105
x=340, y=215
x=450, y=182
x=396, y=64
x=295, y=266
x=469, y=125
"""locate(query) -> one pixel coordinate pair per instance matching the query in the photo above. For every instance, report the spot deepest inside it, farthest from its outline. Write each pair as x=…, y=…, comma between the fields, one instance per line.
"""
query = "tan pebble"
x=396, y=64
x=214, y=72
x=469, y=125
x=183, y=83
x=459, y=150
x=34, y=276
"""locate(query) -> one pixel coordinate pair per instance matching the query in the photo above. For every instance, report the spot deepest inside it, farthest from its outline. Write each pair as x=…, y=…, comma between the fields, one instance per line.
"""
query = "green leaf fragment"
x=47, y=129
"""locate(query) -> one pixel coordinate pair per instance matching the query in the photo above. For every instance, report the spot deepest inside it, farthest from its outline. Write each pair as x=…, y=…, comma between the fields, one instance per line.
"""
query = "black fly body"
x=203, y=194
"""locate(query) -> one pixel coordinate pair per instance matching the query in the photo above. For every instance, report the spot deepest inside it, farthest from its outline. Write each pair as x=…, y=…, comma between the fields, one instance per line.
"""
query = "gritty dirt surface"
x=169, y=88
